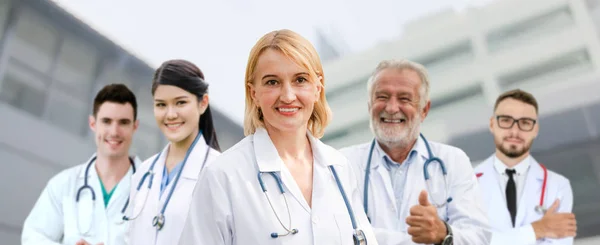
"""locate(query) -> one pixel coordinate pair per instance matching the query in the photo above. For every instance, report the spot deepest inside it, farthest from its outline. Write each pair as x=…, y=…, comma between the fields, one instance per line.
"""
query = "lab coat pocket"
x=78, y=219
x=345, y=230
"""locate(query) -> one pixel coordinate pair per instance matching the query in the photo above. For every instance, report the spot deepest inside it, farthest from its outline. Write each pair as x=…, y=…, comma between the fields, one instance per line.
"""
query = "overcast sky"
x=218, y=35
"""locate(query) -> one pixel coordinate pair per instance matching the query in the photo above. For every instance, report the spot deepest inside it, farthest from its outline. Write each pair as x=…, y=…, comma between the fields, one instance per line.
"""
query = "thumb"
x=554, y=206
x=423, y=201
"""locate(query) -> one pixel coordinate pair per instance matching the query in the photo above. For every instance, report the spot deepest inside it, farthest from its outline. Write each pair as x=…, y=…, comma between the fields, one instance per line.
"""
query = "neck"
x=510, y=162
x=398, y=152
x=177, y=150
x=291, y=145
x=112, y=169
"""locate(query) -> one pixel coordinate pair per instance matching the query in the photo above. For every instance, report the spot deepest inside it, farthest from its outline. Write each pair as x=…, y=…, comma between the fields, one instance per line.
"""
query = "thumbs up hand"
x=424, y=200
x=424, y=225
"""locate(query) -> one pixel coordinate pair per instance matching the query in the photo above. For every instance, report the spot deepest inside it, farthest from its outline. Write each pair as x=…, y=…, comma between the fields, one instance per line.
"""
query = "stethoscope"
x=358, y=236
x=540, y=208
x=431, y=159
x=159, y=220
x=87, y=186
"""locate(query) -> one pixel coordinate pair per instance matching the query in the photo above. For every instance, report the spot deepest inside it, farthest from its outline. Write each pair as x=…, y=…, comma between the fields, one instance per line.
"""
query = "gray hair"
x=401, y=65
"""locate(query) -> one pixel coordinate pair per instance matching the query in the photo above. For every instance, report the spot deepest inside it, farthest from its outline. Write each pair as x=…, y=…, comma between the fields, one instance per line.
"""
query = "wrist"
x=538, y=229
x=442, y=232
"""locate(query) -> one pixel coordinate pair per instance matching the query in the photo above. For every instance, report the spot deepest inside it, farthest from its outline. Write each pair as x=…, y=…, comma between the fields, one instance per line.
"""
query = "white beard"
x=394, y=135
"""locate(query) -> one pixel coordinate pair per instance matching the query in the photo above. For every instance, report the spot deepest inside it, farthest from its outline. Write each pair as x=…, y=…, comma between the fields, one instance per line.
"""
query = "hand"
x=424, y=225
x=84, y=242
x=555, y=225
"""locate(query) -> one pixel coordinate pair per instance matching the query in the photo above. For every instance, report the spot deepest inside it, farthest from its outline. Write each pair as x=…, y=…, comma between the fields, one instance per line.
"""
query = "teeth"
x=174, y=125
x=393, y=120
x=288, y=109
x=112, y=142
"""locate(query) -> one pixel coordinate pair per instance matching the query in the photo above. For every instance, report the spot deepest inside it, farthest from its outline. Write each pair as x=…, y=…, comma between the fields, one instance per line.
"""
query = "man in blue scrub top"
x=65, y=215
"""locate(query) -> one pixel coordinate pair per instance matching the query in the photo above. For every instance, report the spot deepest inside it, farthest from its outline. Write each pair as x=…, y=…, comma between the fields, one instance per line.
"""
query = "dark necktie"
x=511, y=195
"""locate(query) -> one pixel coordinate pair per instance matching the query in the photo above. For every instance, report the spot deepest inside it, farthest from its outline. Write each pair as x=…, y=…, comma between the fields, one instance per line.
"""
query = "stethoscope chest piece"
x=158, y=221
x=539, y=209
x=359, y=237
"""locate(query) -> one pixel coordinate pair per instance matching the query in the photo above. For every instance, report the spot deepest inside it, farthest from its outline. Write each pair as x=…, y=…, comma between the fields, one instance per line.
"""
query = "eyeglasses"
x=507, y=122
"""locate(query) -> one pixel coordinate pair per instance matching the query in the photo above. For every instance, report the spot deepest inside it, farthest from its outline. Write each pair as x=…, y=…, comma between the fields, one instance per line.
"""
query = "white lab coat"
x=464, y=213
x=53, y=219
x=141, y=231
x=557, y=186
x=230, y=208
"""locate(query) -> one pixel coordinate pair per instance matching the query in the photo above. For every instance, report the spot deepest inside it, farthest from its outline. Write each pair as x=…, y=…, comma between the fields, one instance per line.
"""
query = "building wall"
x=51, y=67
x=550, y=48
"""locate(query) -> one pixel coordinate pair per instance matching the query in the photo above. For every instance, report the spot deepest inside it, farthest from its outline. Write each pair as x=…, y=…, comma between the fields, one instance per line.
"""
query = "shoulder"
x=143, y=167
x=560, y=180
x=483, y=165
x=63, y=179
x=449, y=153
x=354, y=150
x=236, y=156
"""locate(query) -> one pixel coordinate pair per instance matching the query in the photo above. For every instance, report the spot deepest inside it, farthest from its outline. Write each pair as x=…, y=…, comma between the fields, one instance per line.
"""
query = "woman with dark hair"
x=161, y=189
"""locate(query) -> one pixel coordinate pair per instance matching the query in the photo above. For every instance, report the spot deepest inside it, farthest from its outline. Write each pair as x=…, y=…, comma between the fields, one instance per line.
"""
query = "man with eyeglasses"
x=525, y=202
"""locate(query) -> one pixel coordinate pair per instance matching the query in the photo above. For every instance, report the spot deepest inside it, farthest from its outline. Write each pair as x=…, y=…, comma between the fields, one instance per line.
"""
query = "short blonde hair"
x=402, y=64
x=302, y=52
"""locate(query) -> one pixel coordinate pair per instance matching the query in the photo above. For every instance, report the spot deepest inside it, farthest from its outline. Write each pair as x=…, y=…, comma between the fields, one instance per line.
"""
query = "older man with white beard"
x=415, y=191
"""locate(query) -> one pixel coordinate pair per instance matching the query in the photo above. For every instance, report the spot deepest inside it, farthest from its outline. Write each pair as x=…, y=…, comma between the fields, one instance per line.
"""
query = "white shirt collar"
x=521, y=167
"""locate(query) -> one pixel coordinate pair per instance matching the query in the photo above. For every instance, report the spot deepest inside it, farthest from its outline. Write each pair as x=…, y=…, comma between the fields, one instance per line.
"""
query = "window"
x=462, y=111
x=76, y=66
x=4, y=8
x=449, y=57
x=353, y=87
x=23, y=90
x=553, y=70
x=530, y=29
x=67, y=112
x=35, y=41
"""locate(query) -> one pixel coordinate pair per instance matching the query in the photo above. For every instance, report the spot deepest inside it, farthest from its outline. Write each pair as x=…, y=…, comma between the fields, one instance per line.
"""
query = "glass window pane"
x=76, y=65
x=23, y=91
x=4, y=8
x=35, y=41
x=66, y=112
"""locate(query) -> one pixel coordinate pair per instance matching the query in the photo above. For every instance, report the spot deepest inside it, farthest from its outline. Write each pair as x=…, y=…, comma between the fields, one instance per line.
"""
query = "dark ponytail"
x=187, y=76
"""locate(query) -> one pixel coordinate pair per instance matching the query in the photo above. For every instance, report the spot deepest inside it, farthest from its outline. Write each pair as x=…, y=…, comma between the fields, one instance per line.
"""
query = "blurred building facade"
x=51, y=67
x=550, y=48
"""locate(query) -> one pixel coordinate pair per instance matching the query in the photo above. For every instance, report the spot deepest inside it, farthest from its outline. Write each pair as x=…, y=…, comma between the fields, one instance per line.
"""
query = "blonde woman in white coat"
x=280, y=185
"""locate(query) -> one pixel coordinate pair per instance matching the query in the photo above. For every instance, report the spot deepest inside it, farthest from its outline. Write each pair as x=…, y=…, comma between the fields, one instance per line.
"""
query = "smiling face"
x=113, y=126
x=284, y=92
x=394, y=107
x=177, y=112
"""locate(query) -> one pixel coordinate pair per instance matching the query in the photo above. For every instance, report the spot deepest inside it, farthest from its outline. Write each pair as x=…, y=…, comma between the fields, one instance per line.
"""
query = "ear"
x=425, y=110
x=136, y=124
x=319, y=87
x=203, y=104
x=492, y=124
x=92, y=122
x=252, y=93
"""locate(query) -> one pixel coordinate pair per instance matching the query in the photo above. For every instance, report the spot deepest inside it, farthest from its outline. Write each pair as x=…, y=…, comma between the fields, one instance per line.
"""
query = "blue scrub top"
x=168, y=177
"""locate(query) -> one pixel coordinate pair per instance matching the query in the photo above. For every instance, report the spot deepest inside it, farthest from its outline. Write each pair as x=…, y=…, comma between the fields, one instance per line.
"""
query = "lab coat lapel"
x=121, y=193
x=157, y=179
x=268, y=160
x=531, y=191
x=189, y=173
x=494, y=199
